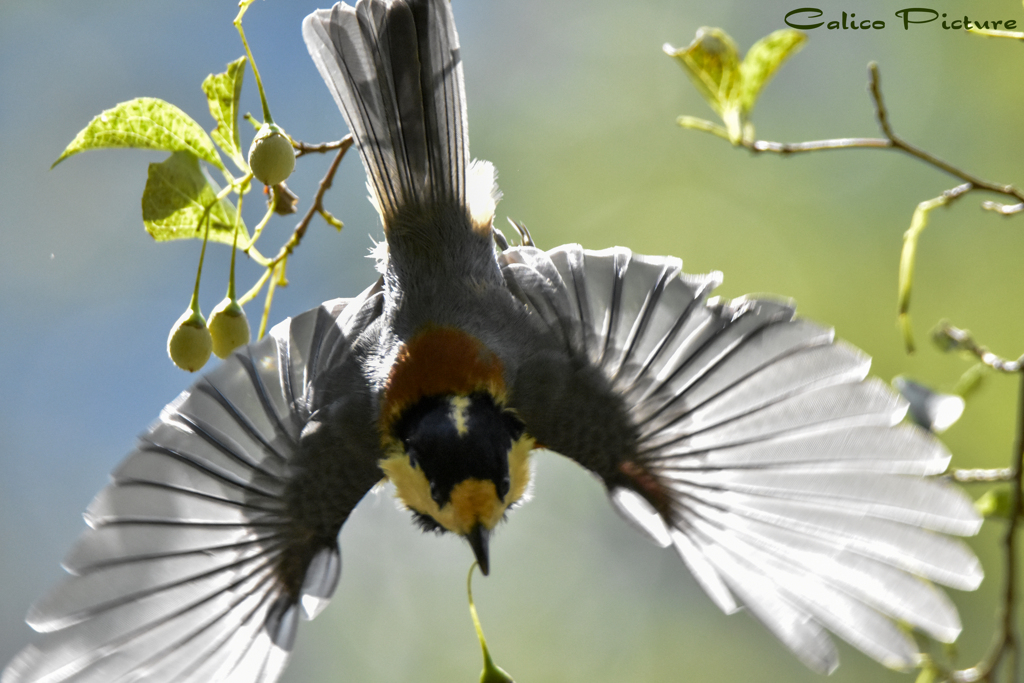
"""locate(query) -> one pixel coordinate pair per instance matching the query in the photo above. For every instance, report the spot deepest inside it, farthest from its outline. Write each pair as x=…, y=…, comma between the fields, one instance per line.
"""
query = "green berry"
x=271, y=156
x=229, y=327
x=189, y=343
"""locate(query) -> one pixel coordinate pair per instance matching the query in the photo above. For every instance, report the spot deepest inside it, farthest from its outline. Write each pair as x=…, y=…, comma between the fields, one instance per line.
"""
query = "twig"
x=897, y=142
x=303, y=148
x=974, y=476
x=317, y=207
x=815, y=145
x=1006, y=644
x=890, y=141
x=303, y=225
x=1005, y=209
x=955, y=339
x=908, y=256
x=1011, y=639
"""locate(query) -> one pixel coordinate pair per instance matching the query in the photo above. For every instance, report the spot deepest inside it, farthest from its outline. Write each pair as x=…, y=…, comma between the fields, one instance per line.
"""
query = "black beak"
x=478, y=538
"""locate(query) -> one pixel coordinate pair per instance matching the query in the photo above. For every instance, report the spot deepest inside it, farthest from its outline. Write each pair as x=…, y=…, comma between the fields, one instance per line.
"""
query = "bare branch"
x=974, y=476
x=317, y=207
x=890, y=141
x=303, y=148
x=955, y=339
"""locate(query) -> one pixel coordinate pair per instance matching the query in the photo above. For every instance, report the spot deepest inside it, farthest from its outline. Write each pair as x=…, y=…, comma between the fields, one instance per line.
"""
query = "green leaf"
x=713, y=64
x=763, y=60
x=175, y=201
x=145, y=123
x=222, y=93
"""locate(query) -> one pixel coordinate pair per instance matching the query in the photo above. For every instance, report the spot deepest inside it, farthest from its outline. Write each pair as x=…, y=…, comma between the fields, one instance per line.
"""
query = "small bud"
x=996, y=502
x=949, y=338
x=229, y=327
x=189, y=343
x=271, y=156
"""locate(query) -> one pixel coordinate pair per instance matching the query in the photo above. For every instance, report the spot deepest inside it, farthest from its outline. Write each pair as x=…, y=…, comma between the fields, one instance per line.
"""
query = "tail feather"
x=395, y=71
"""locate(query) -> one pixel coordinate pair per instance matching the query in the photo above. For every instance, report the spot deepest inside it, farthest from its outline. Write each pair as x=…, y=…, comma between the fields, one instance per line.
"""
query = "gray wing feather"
x=784, y=479
x=186, y=570
x=395, y=71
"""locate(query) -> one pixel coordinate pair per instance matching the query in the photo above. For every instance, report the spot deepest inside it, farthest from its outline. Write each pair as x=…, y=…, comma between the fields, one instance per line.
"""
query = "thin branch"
x=1006, y=644
x=955, y=339
x=975, y=476
x=303, y=148
x=1010, y=646
x=815, y=145
x=317, y=207
x=300, y=229
x=1011, y=638
x=908, y=256
x=897, y=142
x=1005, y=209
x=890, y=141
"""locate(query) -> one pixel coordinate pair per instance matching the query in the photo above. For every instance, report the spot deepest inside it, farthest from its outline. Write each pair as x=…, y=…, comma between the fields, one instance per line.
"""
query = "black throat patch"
x=453, y=438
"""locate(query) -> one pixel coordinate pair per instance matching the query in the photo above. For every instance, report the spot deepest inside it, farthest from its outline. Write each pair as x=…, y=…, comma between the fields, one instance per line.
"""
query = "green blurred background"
x=575, y=104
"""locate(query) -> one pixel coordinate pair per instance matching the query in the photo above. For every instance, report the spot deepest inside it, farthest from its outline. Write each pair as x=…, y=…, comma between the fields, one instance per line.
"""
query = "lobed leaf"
x=175, y=201
x=145, y=123
x=223, y=92
x=762, y=61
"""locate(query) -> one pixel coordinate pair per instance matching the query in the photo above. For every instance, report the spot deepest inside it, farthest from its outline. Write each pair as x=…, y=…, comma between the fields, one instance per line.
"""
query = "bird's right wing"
x=220, y=528
x=750, y=441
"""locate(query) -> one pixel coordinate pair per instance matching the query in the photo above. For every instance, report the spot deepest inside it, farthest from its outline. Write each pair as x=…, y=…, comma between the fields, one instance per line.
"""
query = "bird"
x=745, y=437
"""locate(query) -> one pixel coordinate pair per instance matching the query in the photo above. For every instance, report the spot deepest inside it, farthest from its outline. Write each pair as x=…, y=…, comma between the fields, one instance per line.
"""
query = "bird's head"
x=459, y=462
x=457, y=455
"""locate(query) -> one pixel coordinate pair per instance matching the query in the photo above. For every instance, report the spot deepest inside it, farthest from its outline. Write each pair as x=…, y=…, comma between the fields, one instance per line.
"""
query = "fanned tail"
x=395, y=71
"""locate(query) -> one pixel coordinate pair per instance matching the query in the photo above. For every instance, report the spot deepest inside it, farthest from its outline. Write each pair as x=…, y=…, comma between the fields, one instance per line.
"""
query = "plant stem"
x=1006, y=644
x=242, y=7
x=194, y=304
x=303, y=148
x=317, y=207
x=1011, y=639
x=890, y=141
x=987, y=476
x=234, y=250
x=488, y=662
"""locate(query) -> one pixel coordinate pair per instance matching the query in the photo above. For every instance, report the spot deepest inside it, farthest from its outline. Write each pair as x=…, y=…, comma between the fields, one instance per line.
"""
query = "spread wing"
x=220, y=528
x=750, y=441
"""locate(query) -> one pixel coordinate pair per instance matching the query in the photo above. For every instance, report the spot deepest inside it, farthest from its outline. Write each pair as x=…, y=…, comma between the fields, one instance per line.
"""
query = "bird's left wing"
x=220, y=528
x=750, y=441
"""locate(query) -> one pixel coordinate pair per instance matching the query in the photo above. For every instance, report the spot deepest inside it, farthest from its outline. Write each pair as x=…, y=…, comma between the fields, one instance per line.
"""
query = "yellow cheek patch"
x=519, y=468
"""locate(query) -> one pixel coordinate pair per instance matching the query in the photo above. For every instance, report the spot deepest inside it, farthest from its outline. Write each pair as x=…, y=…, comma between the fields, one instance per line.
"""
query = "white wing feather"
x=791, y=486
